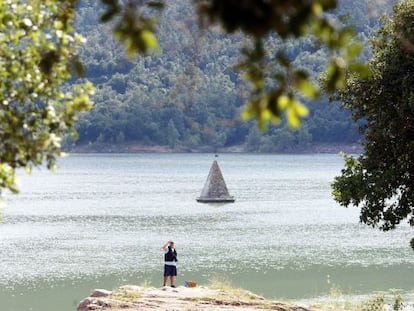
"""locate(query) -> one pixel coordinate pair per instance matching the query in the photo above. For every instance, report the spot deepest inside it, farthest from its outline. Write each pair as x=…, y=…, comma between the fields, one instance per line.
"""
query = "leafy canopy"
x=381, y=181
x=37, y=55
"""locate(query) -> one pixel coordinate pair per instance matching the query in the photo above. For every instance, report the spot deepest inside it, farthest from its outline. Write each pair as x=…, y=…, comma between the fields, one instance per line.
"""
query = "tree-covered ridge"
x=189, y=94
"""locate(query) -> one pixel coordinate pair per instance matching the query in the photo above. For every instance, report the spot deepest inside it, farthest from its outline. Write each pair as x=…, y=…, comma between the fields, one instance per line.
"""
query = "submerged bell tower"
x=215, y=189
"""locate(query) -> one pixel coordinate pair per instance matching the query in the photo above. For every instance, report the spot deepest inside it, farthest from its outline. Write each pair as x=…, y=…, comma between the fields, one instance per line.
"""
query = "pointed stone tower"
x=215, y=189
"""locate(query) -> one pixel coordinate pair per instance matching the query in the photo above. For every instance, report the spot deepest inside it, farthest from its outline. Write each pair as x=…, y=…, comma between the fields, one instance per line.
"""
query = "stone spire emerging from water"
x=215, y=189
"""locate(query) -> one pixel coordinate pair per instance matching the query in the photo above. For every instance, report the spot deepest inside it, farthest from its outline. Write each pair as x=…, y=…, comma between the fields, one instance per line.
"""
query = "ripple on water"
x=110, y=215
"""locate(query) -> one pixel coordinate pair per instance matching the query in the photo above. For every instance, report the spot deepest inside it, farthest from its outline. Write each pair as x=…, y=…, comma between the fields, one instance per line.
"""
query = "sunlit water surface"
x=100, y=220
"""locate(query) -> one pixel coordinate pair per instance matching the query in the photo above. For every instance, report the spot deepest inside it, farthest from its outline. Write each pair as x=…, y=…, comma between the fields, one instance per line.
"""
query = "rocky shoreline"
x=352, y=148
x=200, y=298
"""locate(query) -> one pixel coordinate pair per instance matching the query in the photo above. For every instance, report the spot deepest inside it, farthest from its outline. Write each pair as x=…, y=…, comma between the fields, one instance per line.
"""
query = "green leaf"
x=292, y=118
x=361, y=69
x=353, y=50
x=149, y=39
x=307, y=88
x=283, y=102
x=300, y=109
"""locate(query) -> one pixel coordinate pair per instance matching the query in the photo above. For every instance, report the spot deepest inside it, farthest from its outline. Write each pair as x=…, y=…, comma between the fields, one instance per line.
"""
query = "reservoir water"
x=99, y=222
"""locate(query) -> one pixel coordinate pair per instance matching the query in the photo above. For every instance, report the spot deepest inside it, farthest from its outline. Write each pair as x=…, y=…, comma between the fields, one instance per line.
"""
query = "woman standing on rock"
x=170, y=262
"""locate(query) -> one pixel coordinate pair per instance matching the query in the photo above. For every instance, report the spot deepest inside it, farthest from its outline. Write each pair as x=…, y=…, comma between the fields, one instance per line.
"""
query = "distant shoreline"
x=352, y=148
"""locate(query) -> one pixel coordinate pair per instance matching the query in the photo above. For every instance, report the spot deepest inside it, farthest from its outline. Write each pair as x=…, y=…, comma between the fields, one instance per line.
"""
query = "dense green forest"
x=189, y=96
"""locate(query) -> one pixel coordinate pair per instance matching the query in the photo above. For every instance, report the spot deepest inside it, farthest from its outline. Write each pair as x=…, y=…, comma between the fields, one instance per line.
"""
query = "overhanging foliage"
x=381, y=180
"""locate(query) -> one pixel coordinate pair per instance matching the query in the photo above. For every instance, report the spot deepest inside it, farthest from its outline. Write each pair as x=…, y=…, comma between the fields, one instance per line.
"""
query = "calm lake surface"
x=99, y=222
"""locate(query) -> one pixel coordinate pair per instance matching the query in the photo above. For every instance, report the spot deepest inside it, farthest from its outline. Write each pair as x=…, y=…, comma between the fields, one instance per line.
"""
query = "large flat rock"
x=134, y=298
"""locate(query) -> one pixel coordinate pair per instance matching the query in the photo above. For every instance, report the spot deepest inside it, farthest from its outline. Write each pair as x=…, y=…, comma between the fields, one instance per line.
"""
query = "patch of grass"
x=338, y=300
x=228, y=294
x=126, y=294
x=224, y=285
x=377, y=302
x=145, y=284
x=220, y=283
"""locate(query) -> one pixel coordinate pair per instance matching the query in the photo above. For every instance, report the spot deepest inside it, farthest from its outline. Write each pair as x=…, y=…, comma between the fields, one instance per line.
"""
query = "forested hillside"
x=188, y=94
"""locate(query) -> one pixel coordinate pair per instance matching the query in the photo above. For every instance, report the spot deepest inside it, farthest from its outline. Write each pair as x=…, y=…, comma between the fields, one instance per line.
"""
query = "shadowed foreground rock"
x=134, y=298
